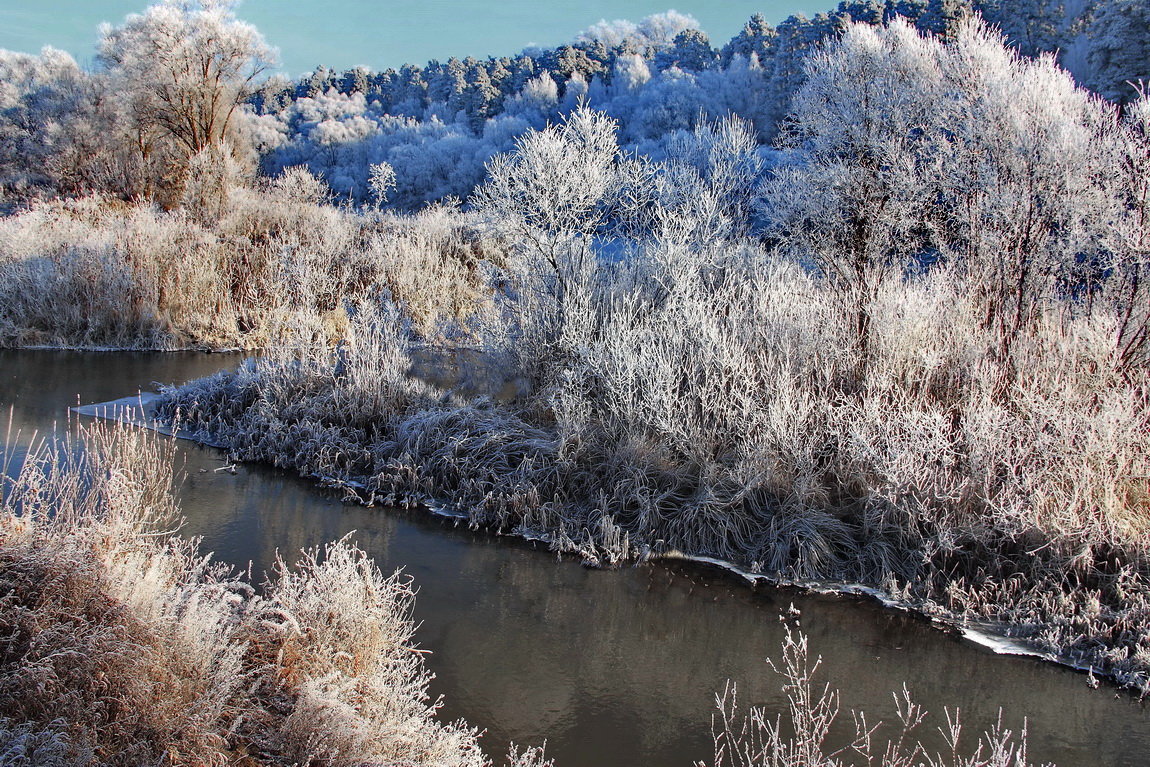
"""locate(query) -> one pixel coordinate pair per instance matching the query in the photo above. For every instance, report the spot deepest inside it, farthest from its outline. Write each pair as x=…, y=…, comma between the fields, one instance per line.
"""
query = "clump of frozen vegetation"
x=97, y=273
x=911, y=353
x=122, y=645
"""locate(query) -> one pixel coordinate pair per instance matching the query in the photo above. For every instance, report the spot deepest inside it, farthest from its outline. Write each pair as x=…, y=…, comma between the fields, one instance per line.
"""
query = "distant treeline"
x=437, y=125
x=480, y=87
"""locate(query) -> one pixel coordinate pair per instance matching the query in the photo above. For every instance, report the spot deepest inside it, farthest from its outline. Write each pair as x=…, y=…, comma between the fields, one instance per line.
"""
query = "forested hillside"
x=436, y=125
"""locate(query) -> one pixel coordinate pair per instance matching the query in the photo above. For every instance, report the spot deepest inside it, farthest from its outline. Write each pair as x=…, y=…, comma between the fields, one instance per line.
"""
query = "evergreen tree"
x=480, y=99
x=942, y=17
x=1119, y=56
x=757, y=38
x=354, y=81
x=315, y=84
x=691, y=51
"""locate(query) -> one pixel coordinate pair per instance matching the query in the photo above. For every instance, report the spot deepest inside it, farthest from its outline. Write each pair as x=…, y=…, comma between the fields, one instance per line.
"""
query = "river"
x=610, y=667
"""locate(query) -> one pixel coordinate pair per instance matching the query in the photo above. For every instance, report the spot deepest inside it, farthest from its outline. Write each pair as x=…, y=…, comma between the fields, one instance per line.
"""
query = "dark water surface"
x=609, y=667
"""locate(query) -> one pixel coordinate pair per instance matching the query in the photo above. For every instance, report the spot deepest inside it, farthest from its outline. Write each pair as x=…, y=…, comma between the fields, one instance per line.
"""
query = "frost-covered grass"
x=120, y=644
x=97, y=273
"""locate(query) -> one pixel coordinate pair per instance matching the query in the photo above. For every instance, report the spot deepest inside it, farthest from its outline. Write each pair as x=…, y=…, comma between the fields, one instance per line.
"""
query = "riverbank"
x=124, y=645
x=140, y=411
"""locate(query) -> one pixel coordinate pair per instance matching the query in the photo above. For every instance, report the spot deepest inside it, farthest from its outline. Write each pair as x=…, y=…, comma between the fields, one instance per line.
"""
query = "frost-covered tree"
x=631, y=72
x=904, y=150
x=557, y=193
x=865, y=11
x=672, y=102
x=62, y=131
x=857, y=183
x=318, y=81
x=796, y=37
x=381, y=180
x=41, y=98
x=661, y=29
x=1127, y=239
x=480, y=99
x=650, y=35
x=709, y=189
x=942, y=17
x=1024, y=179
x=183, y=68
x=196, y=61
x=691, y=50
x=557, y=188
x=410, y=91
x=742, y=89
x=355, y=80
x=613, y=34
x=1119, y=52
x=537, y=102
x=756, y=38
x=445, y=82
x=186, y=67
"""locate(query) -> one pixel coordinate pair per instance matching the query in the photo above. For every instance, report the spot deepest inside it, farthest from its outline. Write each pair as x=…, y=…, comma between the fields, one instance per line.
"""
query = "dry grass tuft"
x=799, y=737
x=119, y=644
x=274, y=266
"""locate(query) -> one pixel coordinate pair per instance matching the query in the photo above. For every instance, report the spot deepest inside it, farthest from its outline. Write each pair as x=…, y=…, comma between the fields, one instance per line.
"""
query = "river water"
x=609, y=667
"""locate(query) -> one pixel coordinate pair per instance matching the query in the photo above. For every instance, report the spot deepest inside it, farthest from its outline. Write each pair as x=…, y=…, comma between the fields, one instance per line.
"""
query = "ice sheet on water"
x=139, y=410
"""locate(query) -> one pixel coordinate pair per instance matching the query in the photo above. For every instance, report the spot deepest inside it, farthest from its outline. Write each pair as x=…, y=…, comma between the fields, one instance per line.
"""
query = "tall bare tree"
x=182, y=69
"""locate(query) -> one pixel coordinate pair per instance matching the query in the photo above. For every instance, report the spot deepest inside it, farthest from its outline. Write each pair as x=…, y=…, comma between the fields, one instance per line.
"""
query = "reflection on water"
x=469, y=372
x=611, y=668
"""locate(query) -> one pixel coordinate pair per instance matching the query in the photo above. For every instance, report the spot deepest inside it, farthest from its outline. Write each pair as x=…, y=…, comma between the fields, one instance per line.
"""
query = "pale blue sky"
x=383, y=33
